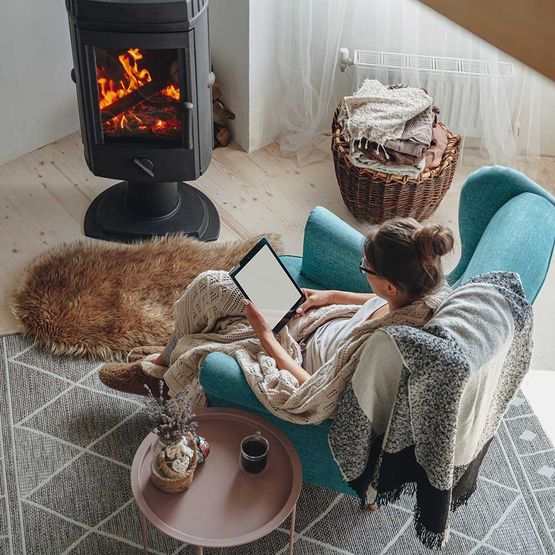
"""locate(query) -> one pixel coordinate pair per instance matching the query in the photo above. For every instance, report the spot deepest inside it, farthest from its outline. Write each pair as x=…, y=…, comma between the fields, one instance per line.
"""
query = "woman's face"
x=380, y=286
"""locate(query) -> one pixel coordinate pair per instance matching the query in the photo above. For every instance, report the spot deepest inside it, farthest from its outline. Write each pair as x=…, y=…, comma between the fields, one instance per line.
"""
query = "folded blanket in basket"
x=378, y=113
x=359, y=159
x=424, y=404
x=434, y=154
x=389, y=157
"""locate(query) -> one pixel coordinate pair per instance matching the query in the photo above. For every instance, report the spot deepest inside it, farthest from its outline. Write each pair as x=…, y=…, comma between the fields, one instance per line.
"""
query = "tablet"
x=264, y=280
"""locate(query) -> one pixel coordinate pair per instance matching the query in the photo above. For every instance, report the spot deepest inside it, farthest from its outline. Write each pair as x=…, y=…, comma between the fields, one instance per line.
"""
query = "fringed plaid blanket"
x=424, y=404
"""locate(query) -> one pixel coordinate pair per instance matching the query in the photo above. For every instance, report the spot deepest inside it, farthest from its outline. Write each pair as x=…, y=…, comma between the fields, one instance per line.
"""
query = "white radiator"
x=453, y=83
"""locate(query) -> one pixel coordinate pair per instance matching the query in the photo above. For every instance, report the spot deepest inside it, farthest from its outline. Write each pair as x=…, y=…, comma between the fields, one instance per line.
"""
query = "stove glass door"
x=139, y=94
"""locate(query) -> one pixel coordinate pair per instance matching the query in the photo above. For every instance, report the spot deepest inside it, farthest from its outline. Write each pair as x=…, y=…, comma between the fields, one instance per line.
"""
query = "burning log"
x=124, y=104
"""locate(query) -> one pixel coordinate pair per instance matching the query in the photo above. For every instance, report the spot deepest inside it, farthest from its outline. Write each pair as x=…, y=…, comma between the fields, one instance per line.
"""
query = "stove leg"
x=128, y=212
x=152, y=200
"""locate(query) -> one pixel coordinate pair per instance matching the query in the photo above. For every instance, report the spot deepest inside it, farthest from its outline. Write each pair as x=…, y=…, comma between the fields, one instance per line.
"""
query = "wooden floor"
x=44, y=196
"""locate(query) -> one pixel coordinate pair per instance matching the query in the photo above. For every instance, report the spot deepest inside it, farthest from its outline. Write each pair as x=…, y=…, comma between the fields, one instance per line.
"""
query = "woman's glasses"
x=364, y=270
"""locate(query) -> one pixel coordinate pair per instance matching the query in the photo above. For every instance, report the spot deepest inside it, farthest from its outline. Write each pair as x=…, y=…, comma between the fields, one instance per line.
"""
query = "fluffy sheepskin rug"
x=102, y=299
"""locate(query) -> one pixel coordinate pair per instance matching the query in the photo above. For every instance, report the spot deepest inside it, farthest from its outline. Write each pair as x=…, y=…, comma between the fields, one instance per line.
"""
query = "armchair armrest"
x=331, y=252
x=222, y=378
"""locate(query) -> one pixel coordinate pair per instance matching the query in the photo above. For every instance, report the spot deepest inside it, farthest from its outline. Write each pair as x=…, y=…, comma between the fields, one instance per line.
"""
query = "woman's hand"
x=314, y=299
x=271, y=345
x=257, y=320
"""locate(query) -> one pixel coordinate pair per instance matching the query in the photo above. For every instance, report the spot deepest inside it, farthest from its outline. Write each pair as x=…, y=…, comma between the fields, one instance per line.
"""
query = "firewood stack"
x=222, y=135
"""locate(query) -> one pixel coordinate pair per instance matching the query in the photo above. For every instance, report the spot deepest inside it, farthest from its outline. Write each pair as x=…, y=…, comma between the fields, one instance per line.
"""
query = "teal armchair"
x=506, y=221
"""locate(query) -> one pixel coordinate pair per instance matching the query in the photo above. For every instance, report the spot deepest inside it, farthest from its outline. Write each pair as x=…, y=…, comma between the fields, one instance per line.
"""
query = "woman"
x=402, y=262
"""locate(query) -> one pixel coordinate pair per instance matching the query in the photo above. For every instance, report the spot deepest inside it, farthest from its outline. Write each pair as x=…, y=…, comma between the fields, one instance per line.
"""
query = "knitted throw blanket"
x=211, y=317
x=424, y=404
x=378, y=114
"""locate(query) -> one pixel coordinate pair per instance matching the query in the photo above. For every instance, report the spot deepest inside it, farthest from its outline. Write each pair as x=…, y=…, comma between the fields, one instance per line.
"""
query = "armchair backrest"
x=506, y=223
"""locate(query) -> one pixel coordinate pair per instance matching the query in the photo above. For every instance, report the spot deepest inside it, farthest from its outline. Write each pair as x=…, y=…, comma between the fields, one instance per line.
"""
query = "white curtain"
x=499, y=114
x=310, y=33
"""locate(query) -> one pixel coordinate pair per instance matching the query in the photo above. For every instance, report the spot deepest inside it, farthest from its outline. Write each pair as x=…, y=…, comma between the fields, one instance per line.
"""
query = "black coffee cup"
x=254, y=453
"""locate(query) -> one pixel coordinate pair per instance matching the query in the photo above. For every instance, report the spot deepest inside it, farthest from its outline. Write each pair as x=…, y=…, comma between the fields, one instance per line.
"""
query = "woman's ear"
x=392, y=290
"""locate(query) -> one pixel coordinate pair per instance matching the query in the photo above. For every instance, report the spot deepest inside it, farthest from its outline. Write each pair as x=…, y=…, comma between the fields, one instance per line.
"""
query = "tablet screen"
x=268, y=286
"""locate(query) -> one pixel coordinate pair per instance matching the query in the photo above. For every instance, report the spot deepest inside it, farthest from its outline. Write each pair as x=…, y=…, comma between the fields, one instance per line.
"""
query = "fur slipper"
x=153, y=370
x=130, y=378
x=138, y=353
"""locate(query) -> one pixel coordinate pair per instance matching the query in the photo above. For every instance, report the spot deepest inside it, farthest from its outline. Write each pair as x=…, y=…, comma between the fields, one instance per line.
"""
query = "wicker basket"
x=375, y=196
x=170, y=482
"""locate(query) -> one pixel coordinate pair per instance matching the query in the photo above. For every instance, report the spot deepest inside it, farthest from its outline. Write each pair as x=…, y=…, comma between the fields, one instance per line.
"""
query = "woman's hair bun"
x=433, y=240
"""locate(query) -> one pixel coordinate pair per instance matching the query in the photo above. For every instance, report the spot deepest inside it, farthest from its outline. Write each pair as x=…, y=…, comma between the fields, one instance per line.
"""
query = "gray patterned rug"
x=67, y=443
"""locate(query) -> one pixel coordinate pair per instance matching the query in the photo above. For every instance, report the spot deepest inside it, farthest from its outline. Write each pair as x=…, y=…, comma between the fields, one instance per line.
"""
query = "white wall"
x=243, y=39
x=265, y=84
x=38, y=103
x=229, y=42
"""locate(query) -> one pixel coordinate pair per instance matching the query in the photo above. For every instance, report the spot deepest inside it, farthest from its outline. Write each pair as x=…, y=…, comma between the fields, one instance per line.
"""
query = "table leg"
x=144, y=529
x=200, y=550
x=292, y=529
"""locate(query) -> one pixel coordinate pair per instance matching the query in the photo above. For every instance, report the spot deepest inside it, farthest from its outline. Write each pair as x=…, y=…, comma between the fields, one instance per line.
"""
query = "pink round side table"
x=224, y=506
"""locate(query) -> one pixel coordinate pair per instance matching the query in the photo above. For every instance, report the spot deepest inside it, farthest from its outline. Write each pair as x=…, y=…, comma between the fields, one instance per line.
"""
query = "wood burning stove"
x=142, y=70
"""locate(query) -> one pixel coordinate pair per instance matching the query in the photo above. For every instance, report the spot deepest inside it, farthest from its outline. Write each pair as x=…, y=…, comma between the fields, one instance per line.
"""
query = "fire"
x=155, y=113
x=134, y=78
x=172, y=92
